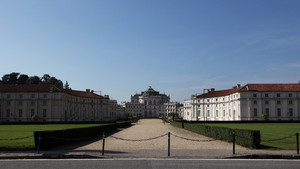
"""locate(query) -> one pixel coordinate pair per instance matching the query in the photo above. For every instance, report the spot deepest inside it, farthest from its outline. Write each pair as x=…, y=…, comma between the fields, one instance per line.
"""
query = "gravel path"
x=150, y=128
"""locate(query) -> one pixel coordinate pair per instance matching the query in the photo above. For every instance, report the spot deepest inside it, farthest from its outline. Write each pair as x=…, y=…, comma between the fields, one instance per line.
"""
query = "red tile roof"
x=82, y=93
x=218, y=93
x=271, y=87
x=28, y=88
x=254, y=87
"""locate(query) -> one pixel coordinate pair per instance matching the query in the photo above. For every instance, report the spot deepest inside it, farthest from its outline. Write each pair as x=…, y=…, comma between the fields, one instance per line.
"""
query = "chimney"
x=238, y=85
x=248, y=88
x=212, y=89
x=88, y=90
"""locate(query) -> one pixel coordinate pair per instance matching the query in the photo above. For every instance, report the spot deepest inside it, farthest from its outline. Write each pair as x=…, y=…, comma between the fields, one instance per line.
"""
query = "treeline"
x=17, y=78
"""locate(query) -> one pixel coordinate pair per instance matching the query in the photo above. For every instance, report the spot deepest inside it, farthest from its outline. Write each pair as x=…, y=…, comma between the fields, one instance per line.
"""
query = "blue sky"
x=178, y=47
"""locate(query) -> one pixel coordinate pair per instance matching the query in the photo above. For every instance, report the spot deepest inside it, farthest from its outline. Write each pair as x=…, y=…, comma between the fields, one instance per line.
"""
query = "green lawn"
x=270, y=131
x=17, y=131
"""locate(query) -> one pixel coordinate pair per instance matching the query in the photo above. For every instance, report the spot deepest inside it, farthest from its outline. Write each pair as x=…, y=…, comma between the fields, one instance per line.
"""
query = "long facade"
x=18, y=103
x=249, y=102
x=148, y=104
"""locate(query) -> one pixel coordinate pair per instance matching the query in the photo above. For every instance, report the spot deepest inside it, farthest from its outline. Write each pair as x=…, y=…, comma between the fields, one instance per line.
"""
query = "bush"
x=265, y=116
x=55, y=138
x=247, y=138
x=35, y=118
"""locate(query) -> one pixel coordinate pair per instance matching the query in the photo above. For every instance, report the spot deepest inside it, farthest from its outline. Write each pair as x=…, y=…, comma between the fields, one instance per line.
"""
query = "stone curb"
x=84, y=156
x=265, y=156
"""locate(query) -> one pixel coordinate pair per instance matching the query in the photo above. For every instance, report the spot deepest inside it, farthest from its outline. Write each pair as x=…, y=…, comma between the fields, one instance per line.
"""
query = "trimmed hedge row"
x=247, y=138
x=50, y=139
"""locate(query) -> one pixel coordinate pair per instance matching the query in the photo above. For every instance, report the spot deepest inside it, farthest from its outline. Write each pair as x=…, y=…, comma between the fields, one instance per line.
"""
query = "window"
x=8, y=96
x=20, y=103
x=254, y=102
x=8, y=103
x=266, y=102
x=44, y=112
x=33, y=96
x=267, y=111
x=32, y=103
x=255, y=112
x=216, y=100
x=279, y=112
x=217, y=113
x=290, y=95
x=20, y=96
x=254, y=95
x=20, y=112
x=291, y=111
x=266, y=95
x=290, y=101
x=44, y=103
x=278, y=102
x=224, y=113
x=32, y=112
x=208, y=113
x=278, y=95
x=8, y=113
x=45, y=96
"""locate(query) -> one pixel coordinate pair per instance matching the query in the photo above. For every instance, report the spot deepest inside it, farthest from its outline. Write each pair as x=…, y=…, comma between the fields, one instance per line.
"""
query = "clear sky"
x=178, y=47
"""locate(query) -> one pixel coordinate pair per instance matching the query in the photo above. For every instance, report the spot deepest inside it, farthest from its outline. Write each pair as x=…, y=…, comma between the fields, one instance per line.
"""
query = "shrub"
x=247, y=138
x=265, y=116
x=35, y=118
x=55, y=138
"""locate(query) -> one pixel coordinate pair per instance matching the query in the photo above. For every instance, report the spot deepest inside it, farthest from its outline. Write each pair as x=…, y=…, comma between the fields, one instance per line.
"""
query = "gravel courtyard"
x=150, y=128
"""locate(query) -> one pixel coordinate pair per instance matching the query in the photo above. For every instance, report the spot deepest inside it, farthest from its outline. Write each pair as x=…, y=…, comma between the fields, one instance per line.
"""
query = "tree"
x=16, y=78
x=173, y=115
x=10, y=78
x=67, y=86
x=46, y=79
x=23, y=79
x=34, y=80
x=126, y=115
x=56, y=82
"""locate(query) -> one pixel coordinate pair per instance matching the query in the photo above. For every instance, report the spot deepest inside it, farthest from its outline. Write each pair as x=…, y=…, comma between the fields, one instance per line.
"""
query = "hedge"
x=247, y=138
x=50, y=139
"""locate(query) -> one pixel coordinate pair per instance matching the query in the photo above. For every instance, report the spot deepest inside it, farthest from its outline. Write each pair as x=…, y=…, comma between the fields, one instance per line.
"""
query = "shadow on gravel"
x=71, y=148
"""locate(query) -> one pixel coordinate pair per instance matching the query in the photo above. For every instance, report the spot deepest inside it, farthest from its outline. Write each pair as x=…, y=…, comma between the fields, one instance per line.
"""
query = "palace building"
x=148, y=104
x=249, y=102
x=18, y=103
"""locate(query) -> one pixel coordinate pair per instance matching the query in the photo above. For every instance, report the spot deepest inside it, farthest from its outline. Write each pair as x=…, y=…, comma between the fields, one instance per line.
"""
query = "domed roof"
x=150, y=92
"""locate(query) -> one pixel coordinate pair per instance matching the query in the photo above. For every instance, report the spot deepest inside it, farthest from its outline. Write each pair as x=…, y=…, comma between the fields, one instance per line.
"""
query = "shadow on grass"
x=265, y=147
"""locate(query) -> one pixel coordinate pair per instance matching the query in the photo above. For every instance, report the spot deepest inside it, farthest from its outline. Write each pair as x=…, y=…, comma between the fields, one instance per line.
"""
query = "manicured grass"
x=270, y=131
x=19, y=131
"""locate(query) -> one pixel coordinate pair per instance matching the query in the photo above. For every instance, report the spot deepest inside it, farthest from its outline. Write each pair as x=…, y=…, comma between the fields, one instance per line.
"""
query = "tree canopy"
x=17, y=78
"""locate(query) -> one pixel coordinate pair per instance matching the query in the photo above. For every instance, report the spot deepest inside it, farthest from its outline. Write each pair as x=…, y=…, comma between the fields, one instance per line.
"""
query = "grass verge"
x=20, y=131
x=274, y=136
